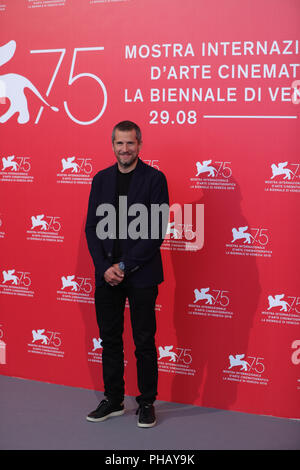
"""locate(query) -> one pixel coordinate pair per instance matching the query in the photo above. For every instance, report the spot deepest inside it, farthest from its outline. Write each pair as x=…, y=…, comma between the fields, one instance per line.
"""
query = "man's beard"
x=127, y=163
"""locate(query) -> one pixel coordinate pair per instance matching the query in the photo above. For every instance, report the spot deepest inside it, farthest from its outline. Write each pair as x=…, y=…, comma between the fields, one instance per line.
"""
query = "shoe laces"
x=106, y=402
x=143, y=407
x=102, y=403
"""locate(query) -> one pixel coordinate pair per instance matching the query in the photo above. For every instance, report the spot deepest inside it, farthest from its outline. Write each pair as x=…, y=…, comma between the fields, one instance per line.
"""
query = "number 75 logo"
x=73, y=78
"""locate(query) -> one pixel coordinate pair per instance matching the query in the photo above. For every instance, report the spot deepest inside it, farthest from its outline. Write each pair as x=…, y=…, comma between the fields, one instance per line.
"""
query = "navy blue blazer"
x=142, y=257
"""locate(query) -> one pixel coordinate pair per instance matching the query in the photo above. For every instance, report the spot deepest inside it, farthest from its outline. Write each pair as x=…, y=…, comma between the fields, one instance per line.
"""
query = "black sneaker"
x=146, y=415
x=105, y=410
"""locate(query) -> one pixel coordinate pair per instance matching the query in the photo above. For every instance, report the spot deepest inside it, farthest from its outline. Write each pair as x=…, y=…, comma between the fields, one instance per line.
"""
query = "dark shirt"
x=123, y=183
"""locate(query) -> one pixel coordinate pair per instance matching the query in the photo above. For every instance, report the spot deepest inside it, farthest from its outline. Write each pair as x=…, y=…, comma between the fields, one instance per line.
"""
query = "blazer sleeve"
x=95, y=247
x=142, y=250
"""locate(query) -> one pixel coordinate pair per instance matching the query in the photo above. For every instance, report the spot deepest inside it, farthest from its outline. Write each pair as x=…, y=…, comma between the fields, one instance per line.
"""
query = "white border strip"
x=214, y=116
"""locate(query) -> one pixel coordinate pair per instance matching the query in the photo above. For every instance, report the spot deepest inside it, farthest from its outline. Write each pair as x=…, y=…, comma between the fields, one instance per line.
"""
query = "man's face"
x=126, y=148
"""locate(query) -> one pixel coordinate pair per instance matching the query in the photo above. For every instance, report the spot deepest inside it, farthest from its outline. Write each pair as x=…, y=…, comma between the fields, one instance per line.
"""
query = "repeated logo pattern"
x=228, y=312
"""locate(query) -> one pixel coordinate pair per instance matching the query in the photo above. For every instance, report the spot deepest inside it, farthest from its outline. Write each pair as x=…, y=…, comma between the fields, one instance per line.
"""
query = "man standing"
x=127, y=266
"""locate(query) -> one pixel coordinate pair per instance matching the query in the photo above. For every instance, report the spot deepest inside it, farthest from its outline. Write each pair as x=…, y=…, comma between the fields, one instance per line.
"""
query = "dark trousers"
x=110, y=304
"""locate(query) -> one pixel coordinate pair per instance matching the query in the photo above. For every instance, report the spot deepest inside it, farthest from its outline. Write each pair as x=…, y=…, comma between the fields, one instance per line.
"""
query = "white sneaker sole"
x=99, y=420
x=144, y=425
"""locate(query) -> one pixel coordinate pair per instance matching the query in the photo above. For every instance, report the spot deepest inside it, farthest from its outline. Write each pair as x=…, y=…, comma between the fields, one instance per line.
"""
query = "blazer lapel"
x=136, y=184
x=110, y=186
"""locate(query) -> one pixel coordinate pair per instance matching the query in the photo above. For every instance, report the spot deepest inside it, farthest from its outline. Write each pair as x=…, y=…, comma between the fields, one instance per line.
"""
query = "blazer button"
x=109, y=255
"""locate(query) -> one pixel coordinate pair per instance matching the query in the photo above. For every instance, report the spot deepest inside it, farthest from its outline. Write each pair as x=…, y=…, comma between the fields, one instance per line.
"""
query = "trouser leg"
x=110, y=304
x=143, y=321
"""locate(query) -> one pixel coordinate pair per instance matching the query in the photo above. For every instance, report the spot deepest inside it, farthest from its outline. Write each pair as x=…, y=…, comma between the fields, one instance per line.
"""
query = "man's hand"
x=114, y=275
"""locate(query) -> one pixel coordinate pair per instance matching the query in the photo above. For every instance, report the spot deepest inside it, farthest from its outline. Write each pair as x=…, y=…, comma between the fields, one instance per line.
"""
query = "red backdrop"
x=214, y=87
